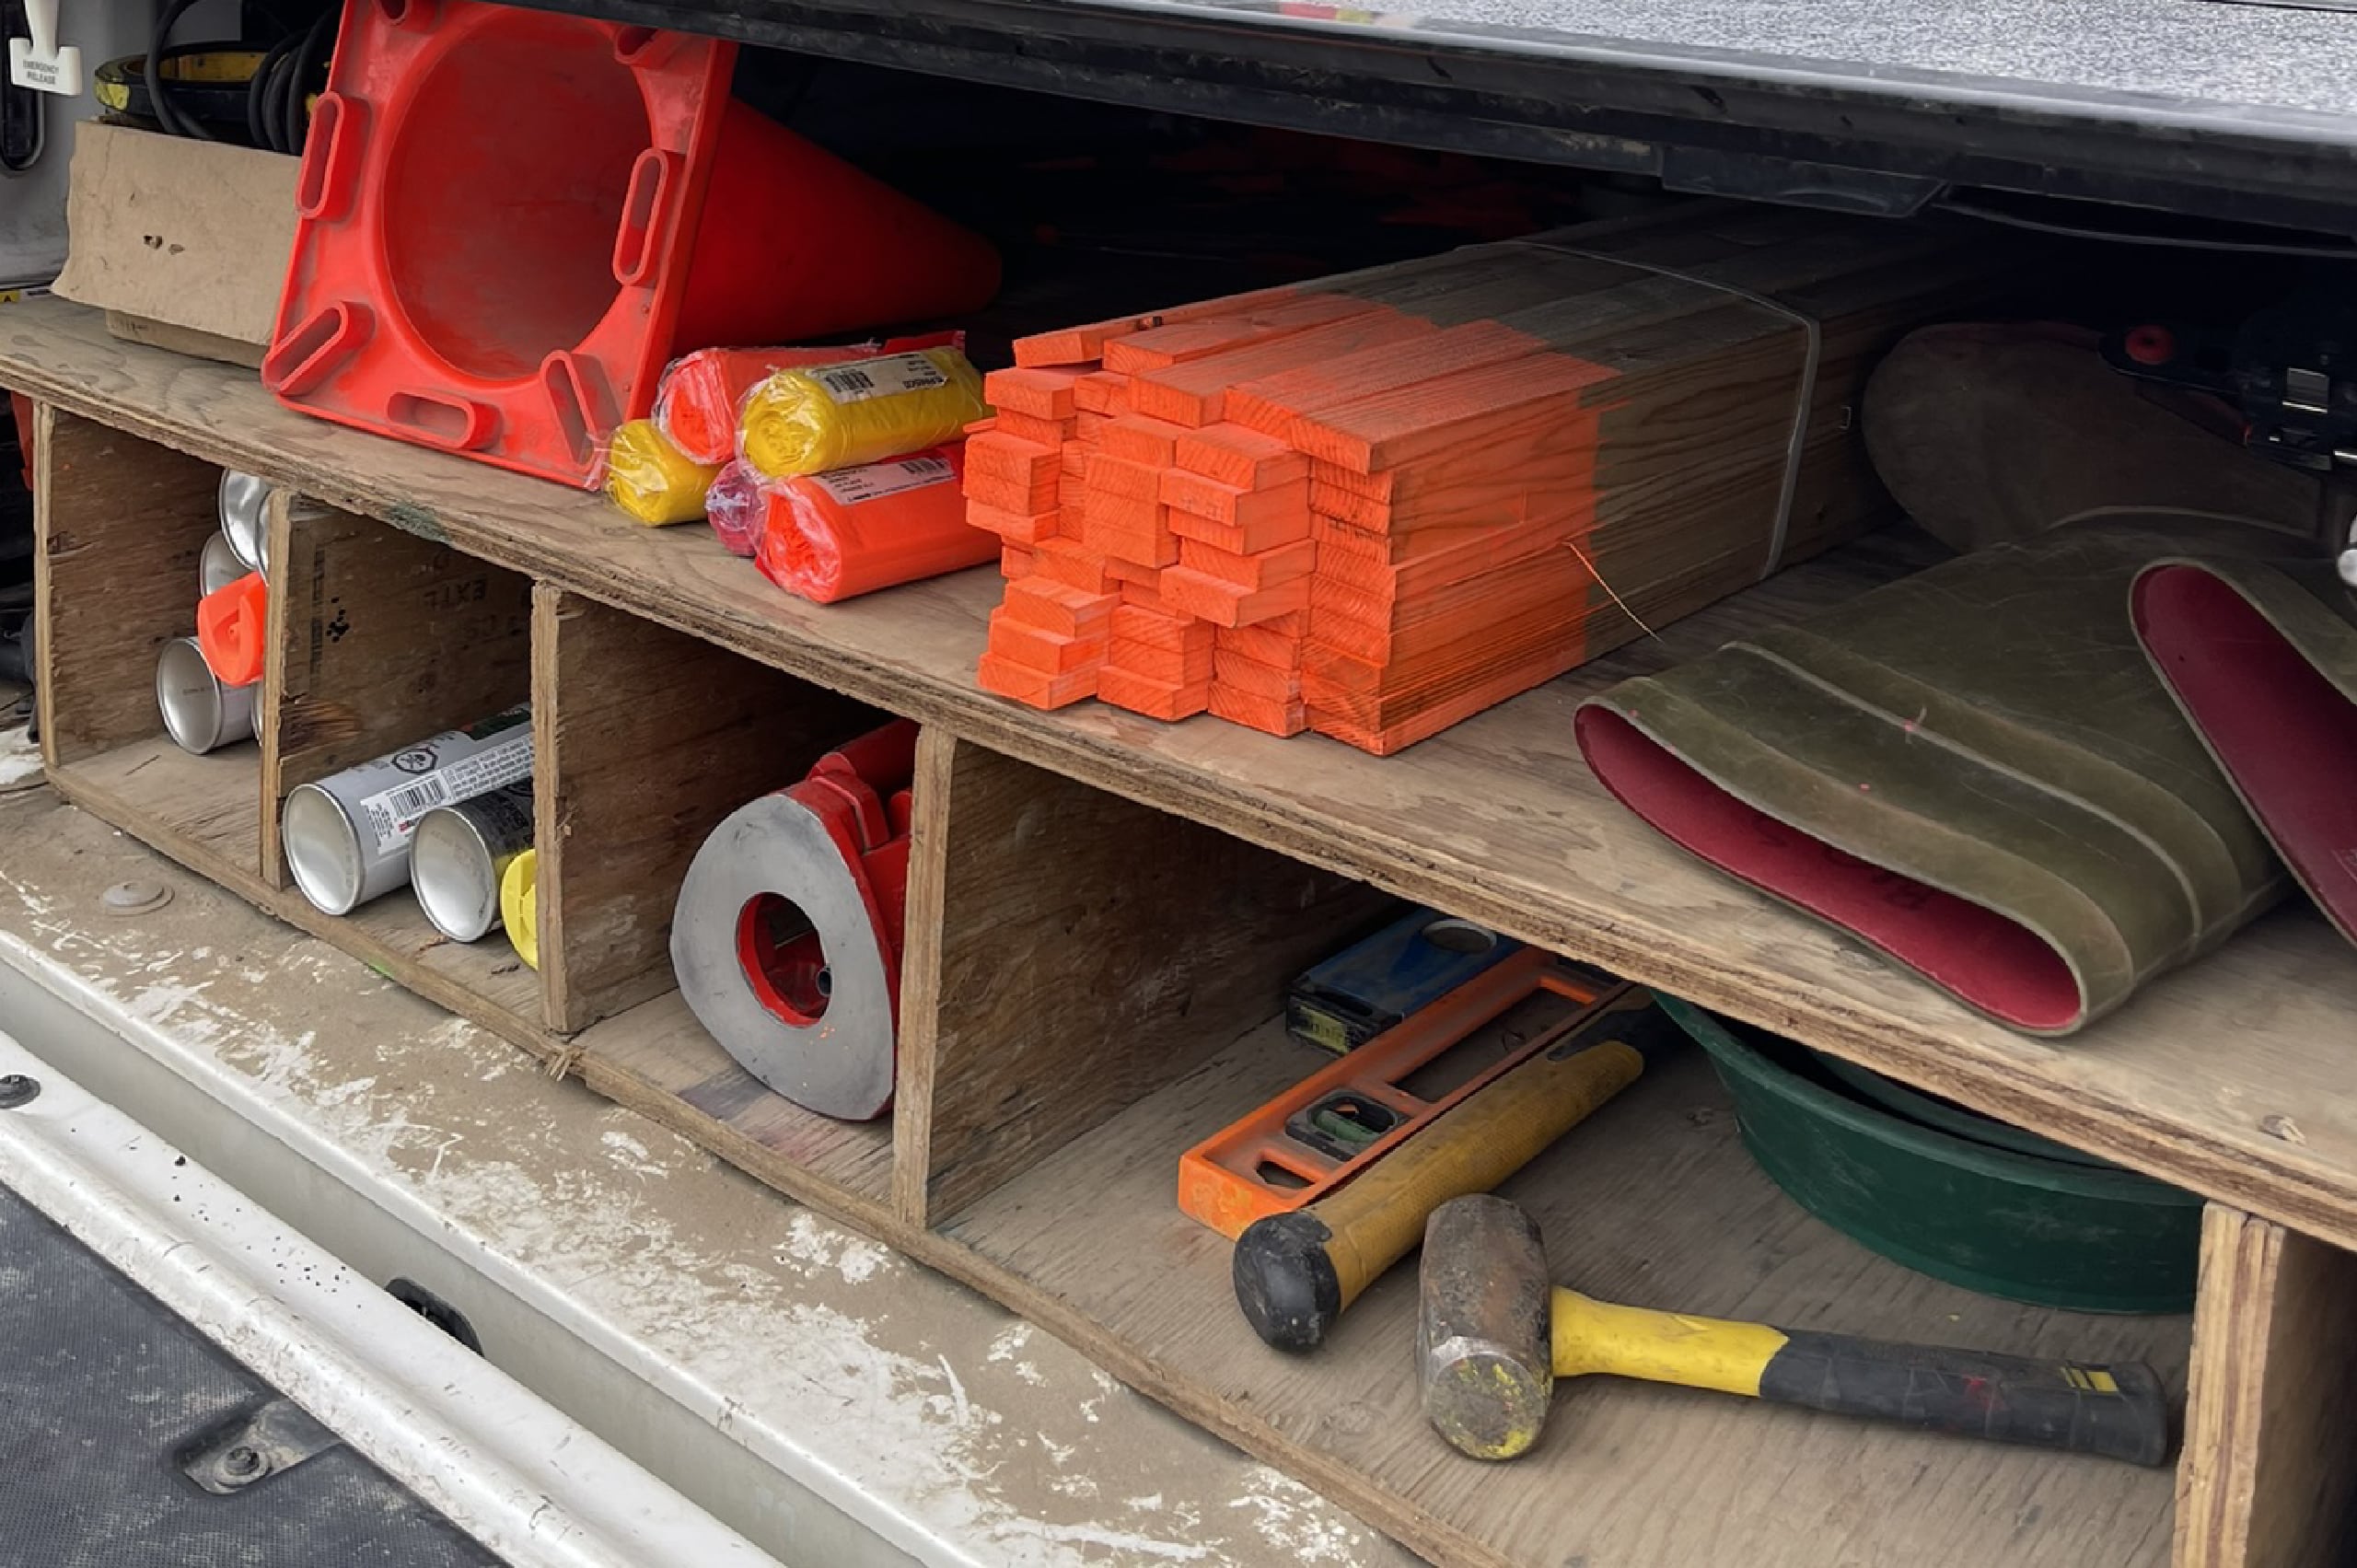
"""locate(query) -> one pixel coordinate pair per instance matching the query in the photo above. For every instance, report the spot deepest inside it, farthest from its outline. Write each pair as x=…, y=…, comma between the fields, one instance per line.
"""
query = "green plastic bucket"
x=2049, y=1231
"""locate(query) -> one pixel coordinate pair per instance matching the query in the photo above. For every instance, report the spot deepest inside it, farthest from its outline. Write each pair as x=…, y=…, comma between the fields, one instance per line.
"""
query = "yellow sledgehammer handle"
x=1592, y=1337
x=1295, y=1272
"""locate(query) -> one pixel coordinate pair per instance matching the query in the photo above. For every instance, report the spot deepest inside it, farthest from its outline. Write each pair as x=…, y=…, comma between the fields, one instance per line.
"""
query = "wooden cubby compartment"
x=120, y=529
x=1109, y=992
x=645, y=739
x=380, y=638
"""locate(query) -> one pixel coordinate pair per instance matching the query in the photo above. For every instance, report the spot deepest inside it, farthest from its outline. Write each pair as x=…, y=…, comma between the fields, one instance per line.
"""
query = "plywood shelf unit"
x=1102, y=913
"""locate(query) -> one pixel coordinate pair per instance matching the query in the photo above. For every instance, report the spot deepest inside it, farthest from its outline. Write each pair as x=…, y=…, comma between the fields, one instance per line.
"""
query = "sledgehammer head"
x=1484, y=1354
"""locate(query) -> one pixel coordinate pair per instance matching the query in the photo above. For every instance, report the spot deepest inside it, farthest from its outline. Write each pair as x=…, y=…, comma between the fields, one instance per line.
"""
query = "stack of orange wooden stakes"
x=1376, y=504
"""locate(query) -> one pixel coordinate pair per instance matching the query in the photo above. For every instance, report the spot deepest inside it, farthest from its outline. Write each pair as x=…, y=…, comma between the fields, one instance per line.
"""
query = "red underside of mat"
x=1996, y=964
x=2283, y=732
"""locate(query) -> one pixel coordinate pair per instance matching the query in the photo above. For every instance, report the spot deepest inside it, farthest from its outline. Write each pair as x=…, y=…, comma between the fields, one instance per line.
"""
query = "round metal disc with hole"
x=779, y=957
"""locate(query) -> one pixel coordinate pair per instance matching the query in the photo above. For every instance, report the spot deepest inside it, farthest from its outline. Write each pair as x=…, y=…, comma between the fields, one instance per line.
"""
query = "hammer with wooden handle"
x=1494, y=1337
x=1296, y=1271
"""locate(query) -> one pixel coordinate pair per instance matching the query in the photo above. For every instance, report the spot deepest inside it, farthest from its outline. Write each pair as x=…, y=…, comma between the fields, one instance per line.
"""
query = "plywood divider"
x=644, y=740
x=2269, y=1475
x=383, y=637
x=1071, y=951
x=120, y=526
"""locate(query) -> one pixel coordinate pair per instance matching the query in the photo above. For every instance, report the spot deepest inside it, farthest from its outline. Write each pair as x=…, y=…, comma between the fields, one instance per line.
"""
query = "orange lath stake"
x=1035, y=394
x=1387, y=494
x=1270, y=716
x=1139, y=438
x=1186, y=663
x=1264, y=569
x=1165, y=700
x=1277, y=641
x=1238, y=455
x=1192, y=392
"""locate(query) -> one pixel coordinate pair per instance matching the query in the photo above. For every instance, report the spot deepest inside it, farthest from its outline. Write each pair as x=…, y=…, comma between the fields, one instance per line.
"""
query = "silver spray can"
x=244, y=508
x=458, y=853
x=347, y=837
x=220, y=566
x=199, y=712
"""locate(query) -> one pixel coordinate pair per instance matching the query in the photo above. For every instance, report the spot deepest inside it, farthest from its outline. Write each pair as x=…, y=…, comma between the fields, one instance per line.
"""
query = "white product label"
x=852, y=486
x=392, y=814
x=885, y=377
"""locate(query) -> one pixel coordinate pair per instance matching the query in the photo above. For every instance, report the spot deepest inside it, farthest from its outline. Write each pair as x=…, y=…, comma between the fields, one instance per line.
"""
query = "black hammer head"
x=1484, y=1354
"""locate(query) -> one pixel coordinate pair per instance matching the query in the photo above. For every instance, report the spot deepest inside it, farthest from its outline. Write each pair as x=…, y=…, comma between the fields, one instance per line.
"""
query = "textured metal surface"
x=2159, y=50
x=105, y=1395
x=2242, y=112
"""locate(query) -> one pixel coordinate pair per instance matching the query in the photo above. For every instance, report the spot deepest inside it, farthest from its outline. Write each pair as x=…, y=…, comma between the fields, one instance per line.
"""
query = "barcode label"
x=427, y=792
x=392, y=814
x=887, y=376
x=852, y=486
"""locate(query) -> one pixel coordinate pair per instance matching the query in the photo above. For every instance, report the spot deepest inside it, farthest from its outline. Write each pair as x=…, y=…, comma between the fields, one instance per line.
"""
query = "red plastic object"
x=860, y=793
x=509, y=220
x=21, y=408
x=2151, y=346
x=231, y=628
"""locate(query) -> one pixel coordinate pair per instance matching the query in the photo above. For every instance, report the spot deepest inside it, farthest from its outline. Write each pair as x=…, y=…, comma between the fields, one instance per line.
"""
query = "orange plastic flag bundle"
x=834, y=536
x=697, y=399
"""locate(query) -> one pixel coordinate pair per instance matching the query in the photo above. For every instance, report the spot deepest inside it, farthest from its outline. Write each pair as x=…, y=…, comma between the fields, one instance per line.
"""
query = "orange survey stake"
x=1335, y=1123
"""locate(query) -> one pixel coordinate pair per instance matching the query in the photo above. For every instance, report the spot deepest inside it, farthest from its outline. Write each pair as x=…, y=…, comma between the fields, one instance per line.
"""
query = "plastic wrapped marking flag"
x=652, y=479
x=700, y=395
x=833, y=536
x=738, y=506
x=840, y=416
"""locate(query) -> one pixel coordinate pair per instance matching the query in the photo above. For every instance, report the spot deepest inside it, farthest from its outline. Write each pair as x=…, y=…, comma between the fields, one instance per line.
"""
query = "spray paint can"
x=220, y=567
x=245, y=518
x=347, y=837
x=459, y=853
x=201, y=714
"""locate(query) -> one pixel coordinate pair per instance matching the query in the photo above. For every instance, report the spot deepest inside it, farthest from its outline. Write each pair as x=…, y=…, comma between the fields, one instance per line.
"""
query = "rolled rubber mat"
x=105, y=1394
x=1973, y=769
x=2262, y=657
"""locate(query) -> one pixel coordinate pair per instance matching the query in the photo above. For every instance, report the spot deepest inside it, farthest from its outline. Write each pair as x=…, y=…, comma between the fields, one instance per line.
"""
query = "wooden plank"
x=643, y=740
x=1653, y=1202
x=2269, y=1475
x=1497, y=819
x=206, y=803
x=660, y=1061
x=384, y=638
x=119, y=524
x=1083, y=950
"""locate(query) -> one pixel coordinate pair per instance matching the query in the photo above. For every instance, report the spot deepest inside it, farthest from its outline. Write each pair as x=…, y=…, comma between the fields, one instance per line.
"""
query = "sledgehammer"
x=1494, y=1337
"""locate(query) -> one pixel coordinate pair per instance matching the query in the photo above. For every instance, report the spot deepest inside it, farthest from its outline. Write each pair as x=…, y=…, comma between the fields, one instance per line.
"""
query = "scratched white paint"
x=881, y=1387
x=19, y=759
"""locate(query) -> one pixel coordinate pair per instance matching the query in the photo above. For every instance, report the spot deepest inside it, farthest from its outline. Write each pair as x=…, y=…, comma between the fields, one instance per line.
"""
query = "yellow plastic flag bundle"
x=652, y=479
x=812, y=419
